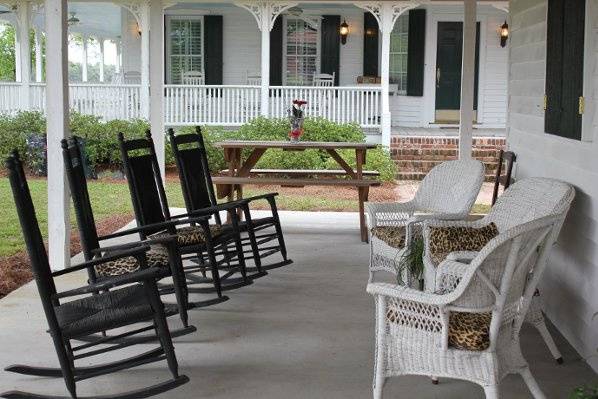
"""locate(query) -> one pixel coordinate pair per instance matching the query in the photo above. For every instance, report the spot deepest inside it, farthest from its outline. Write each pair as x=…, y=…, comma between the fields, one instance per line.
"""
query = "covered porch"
x=306, y=331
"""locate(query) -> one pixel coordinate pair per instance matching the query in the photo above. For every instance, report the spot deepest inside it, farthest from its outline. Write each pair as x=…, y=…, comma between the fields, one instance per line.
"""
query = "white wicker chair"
x=412, y=327
x=523, y=201
x=447, y=192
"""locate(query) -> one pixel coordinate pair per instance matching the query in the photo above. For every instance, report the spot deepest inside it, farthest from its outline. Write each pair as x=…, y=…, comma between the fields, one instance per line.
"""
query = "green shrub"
x=101, y=143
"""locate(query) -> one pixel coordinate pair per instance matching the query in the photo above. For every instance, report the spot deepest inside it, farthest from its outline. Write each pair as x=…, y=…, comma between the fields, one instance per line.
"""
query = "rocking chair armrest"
x=107, y=284
x=100, y=260
x=407, y=294
x=151, y=227
x=267, y=196
x=210, y=210
x=162, y=240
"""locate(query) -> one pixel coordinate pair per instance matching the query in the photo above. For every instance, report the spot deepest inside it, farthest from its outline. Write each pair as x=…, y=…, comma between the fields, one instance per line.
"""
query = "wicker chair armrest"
x=408, y=294
x=109, y=283
x=450, y=273
x=462, y=256
x=393, y=213
x=98, y=261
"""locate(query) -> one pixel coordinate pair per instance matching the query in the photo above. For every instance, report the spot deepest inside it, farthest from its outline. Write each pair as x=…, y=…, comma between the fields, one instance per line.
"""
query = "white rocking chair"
x=194, y=78
x=424, y=333
x=324, y=79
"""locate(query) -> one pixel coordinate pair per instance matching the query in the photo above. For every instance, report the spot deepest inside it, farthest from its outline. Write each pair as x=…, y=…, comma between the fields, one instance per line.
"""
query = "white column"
x=24, y=58
x=385, y=74
x=117, y=44
x=57, y=112
x=156, y=77
x=143, y=21
x=265, y=70
x=386, y=13
x=39, y=75
x=467, y=80
x=101, y=41
x=265, y=13
x=84, y=62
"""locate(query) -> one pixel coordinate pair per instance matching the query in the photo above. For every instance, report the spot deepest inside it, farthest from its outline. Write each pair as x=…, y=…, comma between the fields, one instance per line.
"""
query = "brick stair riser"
x=416, y=156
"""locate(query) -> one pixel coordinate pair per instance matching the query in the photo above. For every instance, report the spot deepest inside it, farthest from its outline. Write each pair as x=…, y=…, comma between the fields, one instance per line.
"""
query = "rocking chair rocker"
x=108, y=307
x=164, y=252
x=198, y=191
x=195, y=239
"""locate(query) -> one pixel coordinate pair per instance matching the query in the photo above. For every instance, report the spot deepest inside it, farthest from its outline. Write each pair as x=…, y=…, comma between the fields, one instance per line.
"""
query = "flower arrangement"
x=296, y=117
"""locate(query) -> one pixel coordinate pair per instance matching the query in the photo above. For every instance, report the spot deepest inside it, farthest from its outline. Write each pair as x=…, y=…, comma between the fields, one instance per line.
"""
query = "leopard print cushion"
x=444, y=240
x=467, y=331
x=156, y=257
x=192, y=235
x=394, y=236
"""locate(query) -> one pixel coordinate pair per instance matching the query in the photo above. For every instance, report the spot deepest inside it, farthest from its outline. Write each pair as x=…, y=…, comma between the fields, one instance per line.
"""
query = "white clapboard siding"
x=570, y=285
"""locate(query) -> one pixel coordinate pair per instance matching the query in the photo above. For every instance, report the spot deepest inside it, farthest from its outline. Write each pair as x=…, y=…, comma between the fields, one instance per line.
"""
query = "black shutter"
x=370, y=45
x=331, y=51
x=213, y=49
x=416, y=53
x=276, y=51
x=564, y=68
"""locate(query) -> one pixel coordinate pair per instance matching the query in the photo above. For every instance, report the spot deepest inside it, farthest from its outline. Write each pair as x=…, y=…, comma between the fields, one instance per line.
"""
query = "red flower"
x=299, y=102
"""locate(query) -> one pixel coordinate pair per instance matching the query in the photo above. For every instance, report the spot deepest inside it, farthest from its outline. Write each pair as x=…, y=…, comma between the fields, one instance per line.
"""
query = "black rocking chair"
x=198, y=191
x=194, y=240
x=98, y=307
x=164, y=253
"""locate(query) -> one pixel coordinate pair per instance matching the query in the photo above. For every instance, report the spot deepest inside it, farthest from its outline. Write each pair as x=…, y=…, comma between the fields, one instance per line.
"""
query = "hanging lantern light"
x=504, y=34
x=344, y=31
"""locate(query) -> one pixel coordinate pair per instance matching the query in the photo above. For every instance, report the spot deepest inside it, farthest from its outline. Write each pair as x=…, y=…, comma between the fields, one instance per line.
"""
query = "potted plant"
x=296, y=117
x=410, y=267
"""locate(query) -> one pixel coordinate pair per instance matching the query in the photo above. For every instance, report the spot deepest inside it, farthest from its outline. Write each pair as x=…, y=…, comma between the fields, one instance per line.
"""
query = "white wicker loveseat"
x=525, y=200
x=447, y=192
x=421, y=333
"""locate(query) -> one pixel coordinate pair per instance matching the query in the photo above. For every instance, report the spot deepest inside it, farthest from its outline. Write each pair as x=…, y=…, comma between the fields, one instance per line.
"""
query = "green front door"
x=448, y=70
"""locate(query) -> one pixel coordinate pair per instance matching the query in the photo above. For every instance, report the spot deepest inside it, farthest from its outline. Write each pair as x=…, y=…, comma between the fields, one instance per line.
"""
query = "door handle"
x=437, y=77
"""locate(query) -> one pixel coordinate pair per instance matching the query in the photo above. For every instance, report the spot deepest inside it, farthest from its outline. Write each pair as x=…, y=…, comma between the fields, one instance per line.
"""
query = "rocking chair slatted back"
x=145, y=183
x=194, y=172
x=75, y=170
x=40, y=266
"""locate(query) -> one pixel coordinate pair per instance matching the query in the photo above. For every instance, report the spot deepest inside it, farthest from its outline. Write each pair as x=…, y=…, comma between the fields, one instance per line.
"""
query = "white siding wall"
x=242, y=55
x=419, y=111
x=570, y=285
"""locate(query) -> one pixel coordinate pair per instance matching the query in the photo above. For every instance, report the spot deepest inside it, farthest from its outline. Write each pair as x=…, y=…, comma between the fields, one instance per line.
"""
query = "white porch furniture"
x=324, y=79
x=447, y=192
x=132, y=78
x=424, y=333
x=522, y=202
x=194, y=78
x=253, y=79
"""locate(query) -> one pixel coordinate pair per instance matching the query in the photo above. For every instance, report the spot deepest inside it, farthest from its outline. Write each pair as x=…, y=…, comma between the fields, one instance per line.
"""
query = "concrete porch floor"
x=304, y=331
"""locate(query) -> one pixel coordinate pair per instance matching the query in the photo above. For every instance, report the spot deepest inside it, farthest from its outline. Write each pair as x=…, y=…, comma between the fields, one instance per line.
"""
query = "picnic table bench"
x=241, y=173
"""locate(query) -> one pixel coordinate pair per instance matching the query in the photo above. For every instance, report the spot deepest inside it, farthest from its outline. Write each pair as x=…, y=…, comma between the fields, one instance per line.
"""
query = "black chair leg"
x=66, y=364
x=162, y=327
x=180, y=287
x=257, y=260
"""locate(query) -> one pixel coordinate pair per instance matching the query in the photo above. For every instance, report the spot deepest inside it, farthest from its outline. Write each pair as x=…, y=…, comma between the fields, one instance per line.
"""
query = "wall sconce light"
x=504, y=34
x=138, y=29
x=344, y=31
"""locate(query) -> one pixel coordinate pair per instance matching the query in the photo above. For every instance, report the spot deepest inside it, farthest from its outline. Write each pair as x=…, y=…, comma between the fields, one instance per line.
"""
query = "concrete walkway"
x=304, y=331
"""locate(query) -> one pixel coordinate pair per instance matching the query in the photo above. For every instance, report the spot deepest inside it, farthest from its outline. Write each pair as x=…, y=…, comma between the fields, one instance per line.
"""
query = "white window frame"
x=404, y=16
x=168, y=45
x=284, y=47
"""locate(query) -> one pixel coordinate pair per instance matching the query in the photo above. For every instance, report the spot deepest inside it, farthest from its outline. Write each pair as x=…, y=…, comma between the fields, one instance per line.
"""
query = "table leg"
x=362, y=225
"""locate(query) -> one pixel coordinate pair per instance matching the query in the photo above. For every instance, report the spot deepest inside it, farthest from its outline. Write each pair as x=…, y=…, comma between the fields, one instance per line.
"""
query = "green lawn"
x=112, y=198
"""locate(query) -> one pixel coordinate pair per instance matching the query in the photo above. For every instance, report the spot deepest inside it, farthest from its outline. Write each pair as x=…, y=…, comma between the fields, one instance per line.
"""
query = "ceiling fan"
x=73, y=20
x=9, y=11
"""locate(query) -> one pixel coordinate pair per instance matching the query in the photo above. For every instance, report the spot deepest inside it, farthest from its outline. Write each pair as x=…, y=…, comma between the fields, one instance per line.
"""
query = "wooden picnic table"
x=239, y=172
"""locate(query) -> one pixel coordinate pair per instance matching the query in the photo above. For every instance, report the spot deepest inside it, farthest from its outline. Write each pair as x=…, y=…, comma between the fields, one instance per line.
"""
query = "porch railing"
x=359, y=105
x=206, y=104
x=210, y=105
